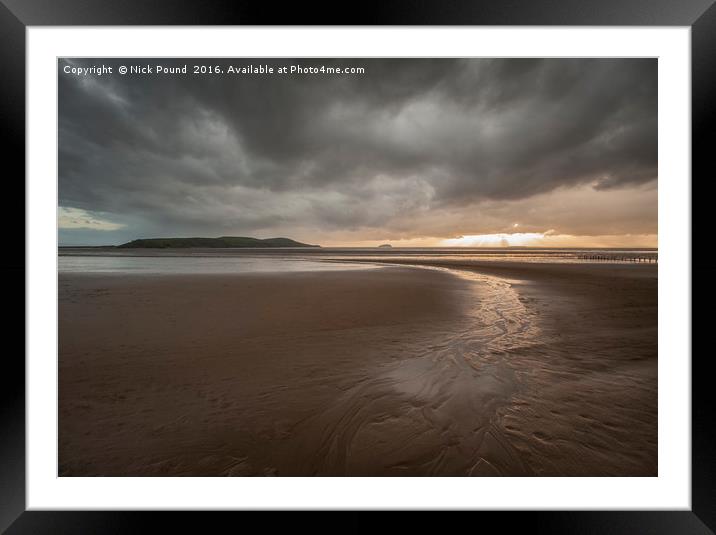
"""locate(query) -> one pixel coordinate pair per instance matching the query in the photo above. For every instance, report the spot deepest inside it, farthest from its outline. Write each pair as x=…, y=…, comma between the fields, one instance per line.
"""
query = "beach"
x=433, y=368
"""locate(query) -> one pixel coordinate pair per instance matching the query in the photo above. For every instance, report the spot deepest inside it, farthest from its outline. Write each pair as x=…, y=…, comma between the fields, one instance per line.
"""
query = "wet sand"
x=506, y=369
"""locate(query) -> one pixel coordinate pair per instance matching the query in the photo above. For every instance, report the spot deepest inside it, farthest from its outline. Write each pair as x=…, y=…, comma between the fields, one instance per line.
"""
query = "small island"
x=226, y=242
x=386, y=246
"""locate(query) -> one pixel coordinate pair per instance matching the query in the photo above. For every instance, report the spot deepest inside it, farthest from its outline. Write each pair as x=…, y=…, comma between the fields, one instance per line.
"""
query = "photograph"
x=357, y=266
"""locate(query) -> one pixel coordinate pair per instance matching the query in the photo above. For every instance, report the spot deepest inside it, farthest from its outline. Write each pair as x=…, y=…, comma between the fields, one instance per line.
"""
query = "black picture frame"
x=16, y=15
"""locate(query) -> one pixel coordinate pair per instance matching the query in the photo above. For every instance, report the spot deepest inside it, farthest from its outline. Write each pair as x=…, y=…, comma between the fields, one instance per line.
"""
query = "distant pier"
x=618, y=257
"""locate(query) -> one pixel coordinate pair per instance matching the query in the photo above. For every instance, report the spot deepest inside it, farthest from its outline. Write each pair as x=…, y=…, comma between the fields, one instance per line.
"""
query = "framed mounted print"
x=421, y=260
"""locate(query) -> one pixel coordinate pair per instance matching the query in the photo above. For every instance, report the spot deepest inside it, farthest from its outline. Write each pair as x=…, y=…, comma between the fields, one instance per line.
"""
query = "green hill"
x=224, y=242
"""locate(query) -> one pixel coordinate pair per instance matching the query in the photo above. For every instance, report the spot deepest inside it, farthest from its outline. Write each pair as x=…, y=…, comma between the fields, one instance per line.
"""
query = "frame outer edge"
x=703, y=131
x=370, y=12
x=12, y=270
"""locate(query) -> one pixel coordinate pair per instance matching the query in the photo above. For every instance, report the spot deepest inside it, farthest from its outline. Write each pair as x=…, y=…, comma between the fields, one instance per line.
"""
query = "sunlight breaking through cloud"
x=497, y=240
x=77, y=218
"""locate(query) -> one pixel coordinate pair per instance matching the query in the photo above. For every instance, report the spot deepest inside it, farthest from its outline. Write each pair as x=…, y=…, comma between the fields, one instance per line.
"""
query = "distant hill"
x=223, y=242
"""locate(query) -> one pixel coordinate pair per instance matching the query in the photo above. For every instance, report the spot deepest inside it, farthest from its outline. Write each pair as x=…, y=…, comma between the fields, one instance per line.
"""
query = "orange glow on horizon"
x=549, y=238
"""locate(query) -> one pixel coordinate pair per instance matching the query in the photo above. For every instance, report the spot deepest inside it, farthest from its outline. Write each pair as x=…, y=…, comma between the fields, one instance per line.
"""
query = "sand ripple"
x=435, y=413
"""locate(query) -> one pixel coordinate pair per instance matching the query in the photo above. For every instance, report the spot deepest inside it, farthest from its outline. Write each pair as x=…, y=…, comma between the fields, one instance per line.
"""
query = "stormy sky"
x=409, y=152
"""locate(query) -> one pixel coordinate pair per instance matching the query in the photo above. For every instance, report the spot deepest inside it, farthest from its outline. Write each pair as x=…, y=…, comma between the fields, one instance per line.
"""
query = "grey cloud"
x=248, y=152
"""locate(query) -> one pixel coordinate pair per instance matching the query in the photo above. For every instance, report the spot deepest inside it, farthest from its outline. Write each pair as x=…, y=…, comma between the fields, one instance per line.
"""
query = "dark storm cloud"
x=211, y=152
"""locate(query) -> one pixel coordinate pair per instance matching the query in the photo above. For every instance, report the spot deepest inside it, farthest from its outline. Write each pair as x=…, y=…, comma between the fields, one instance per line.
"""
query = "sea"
x=249, y=260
